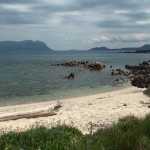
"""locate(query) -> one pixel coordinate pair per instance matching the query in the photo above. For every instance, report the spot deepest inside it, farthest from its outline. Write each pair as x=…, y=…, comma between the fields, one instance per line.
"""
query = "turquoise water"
x=30, y=77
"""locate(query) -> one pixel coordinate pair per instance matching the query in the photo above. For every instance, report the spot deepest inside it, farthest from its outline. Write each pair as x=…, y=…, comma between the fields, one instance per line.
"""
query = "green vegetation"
x=129, y=133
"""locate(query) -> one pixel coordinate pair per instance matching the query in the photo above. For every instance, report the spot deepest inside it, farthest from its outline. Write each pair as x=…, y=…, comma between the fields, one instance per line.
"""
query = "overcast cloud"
x=76, y=24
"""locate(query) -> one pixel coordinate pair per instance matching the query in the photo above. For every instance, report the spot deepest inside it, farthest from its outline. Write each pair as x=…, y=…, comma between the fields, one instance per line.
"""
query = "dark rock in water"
x=95, y=66
x=119, y=72
x=70, y=76
x=73, y=63
x=117, y=80
x=141, y=74
x=112, y=73
x=141, y=81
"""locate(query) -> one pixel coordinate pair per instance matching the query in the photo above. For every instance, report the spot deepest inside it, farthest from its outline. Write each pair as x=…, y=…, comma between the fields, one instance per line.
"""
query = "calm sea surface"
x=30, y=77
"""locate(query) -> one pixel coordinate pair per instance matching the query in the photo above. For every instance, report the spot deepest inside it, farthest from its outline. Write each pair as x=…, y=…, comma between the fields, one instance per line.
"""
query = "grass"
x=129, y=133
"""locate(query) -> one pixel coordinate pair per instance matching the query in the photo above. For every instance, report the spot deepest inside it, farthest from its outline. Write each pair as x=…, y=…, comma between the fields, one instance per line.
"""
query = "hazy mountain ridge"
x=30, y=45
x=23, y=45
x=144, y=47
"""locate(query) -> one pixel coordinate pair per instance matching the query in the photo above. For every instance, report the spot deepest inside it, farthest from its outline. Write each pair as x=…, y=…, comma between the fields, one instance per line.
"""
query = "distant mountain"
x=144, y=47
x=27, y=45
x=128, y=49
x=99, y=48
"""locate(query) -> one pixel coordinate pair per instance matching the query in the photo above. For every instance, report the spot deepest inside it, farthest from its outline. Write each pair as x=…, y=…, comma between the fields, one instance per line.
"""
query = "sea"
x=31, y=76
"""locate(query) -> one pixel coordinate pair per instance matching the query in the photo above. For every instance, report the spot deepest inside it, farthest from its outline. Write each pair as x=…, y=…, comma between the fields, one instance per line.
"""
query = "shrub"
x=129, y=133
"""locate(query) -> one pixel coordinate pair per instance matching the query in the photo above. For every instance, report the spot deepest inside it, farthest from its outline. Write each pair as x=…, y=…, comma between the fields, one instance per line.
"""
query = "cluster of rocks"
x=141, y=74
x=120, y=72
x=95, y=66
x=85, y=64
x=123, y=74
x=73, y=63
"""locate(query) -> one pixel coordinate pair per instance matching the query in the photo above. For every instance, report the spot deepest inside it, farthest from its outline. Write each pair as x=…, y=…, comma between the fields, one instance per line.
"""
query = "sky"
x=76, y=24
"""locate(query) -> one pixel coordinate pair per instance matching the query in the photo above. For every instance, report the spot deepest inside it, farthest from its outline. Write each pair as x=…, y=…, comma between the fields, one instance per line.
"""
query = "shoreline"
x=100, y=110
x=45, y=98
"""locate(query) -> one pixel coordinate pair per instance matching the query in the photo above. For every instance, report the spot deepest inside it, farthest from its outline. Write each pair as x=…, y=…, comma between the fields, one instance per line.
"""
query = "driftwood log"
x=43, y=112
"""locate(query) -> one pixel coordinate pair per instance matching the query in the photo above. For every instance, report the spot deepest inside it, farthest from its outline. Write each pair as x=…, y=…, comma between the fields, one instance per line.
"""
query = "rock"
x=141, y=74
x=124, y=104
x=73, y=63
x=85, y=64
x=112, y=73
x=70, y=76
x=95, y=66
x=147, y=91
x=119, y=72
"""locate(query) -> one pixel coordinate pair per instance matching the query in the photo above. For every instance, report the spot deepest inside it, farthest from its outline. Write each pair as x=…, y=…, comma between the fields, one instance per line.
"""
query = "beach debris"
x=43, y=112
x=90, y=104
x=70, y=76
x=124, y=104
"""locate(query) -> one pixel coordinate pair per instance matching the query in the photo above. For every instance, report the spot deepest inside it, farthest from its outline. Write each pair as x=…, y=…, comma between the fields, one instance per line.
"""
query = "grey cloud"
x=137, y=15
x=120, y=4
x=123, y=39
x=39, y=12
x=130, y=39
x=107, y=17
x=18, y=1
x=13, y=17
x=43, y=9
x=111, y=24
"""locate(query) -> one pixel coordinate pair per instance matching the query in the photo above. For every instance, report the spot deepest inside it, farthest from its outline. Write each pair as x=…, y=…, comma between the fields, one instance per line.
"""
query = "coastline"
x=100, y=110
x=13, y=101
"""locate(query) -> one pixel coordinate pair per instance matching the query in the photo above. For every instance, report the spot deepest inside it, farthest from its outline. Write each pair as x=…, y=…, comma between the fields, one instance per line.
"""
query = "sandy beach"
x=100, y=110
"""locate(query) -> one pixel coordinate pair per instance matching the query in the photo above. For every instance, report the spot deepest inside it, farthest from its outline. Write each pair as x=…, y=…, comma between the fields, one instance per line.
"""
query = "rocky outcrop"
x=95, y=66
x=120, y=72
x=141, y=81
x=70, y=76
x=74, y=63
x=141, y=74
x=85, y=64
